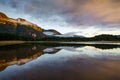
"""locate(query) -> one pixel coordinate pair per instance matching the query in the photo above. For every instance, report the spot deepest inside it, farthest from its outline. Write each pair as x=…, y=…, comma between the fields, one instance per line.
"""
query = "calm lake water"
x=40, y=62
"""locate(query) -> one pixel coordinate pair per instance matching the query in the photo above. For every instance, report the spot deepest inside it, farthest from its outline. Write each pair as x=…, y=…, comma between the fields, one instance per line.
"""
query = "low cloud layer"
x=72, y=13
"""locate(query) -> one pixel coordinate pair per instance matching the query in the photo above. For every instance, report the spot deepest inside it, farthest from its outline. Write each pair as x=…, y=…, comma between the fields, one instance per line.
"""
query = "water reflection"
x=40, y=62
x=19, y=54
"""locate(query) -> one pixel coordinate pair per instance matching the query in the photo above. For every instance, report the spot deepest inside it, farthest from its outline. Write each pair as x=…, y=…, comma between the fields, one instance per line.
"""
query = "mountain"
x=51, y=32
x=22, y=27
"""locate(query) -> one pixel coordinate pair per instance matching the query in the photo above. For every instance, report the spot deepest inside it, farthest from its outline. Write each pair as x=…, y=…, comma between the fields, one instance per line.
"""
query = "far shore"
x=3, y=43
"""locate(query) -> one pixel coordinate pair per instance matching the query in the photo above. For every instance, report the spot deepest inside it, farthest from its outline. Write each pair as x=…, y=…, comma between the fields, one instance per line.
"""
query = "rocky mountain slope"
x=22, y=27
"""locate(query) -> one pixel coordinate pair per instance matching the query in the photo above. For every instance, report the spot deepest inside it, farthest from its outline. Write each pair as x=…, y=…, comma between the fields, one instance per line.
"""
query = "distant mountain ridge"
x=21, y=27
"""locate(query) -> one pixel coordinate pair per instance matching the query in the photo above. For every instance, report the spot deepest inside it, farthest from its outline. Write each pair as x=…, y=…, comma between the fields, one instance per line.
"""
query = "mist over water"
x=40, y=62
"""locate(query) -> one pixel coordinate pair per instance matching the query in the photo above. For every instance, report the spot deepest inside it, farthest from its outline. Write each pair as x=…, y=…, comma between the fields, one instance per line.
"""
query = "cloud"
x=72, y=13
x=93, y=12
x=36, y=8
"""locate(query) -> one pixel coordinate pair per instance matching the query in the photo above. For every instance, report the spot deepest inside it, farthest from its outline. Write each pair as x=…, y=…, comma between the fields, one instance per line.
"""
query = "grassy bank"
x=3, y=43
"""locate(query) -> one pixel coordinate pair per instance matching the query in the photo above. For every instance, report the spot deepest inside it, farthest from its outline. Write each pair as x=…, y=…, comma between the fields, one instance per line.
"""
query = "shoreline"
x=3, y=43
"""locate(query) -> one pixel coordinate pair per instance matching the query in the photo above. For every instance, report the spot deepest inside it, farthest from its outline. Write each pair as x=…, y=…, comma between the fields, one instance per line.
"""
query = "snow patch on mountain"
x=51, y=32
x=48, y=33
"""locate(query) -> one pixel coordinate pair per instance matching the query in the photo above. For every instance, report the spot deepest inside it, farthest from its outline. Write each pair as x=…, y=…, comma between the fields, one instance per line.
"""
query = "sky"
x=85, y=17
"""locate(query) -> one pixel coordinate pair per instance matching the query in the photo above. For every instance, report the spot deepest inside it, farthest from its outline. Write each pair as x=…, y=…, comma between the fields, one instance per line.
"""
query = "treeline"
x=7, y=36
x=96, y=38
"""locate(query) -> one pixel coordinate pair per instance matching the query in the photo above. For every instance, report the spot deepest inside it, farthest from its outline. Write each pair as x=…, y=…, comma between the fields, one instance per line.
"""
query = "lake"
x=60, y=62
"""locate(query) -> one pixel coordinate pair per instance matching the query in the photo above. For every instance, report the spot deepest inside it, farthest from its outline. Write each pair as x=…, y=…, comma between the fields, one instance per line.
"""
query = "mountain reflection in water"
x=40, y=62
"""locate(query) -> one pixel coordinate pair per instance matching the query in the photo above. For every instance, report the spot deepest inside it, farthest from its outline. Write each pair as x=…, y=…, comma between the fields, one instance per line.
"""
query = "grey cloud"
x=36, y=8
x=73, y=12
